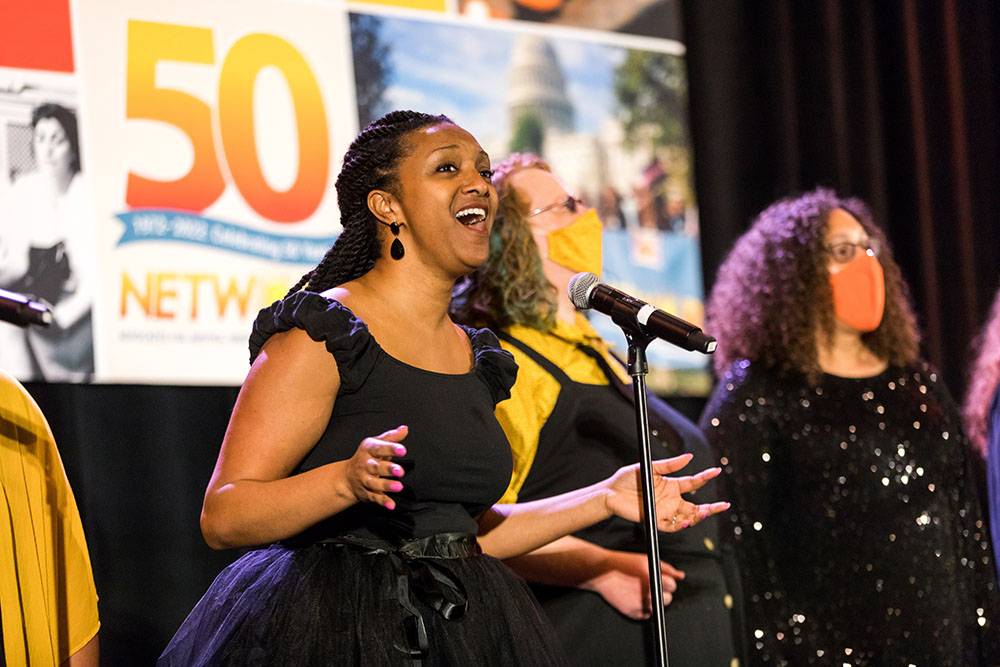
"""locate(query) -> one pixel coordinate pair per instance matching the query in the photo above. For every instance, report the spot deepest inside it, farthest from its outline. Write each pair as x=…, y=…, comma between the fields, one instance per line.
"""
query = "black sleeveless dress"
x=370, y=586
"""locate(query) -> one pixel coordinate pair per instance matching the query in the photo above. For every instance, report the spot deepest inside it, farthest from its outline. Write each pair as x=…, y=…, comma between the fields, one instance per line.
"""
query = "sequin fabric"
x=856, y=520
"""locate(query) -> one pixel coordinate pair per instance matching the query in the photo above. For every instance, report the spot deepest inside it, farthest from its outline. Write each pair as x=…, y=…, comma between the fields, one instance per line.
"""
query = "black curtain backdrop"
x=893, y=101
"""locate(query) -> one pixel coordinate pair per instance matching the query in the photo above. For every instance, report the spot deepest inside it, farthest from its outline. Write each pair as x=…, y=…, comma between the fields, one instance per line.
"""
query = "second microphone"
x=587, y=291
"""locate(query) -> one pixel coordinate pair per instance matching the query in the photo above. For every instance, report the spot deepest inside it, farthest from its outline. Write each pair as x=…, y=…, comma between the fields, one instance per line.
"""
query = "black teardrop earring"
x=396, y=250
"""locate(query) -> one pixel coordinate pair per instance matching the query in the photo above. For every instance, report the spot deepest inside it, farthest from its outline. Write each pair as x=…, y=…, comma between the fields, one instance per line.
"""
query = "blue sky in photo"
x=461, y=71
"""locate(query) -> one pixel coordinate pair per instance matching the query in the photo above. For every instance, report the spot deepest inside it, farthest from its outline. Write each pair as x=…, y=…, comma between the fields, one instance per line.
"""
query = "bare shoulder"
x=352, y=296
x=340, y=293
x=283, y=406
x=362, y=302
x=293, y=355
x=293, y=344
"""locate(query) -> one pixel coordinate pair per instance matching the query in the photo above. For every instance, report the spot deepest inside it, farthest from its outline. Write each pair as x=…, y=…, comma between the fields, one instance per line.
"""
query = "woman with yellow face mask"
x=855, y=514
x=570, y=419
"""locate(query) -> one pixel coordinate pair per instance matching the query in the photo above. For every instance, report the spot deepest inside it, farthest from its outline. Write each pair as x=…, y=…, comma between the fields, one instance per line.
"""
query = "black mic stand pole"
x=637, y=368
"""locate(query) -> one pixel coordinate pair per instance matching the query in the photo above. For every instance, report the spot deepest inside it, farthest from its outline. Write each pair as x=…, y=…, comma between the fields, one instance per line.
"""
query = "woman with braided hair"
x=363, y=451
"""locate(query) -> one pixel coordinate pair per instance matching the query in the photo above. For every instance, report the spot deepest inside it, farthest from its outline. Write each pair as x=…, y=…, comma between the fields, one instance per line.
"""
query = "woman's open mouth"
x=471, y=216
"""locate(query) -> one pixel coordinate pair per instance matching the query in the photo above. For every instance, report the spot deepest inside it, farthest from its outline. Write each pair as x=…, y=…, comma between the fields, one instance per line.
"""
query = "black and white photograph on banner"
x=47, y=251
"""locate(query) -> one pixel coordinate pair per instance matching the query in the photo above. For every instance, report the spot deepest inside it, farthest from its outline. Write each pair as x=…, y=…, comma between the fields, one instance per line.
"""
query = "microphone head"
x=41, y=314
x=579, y=289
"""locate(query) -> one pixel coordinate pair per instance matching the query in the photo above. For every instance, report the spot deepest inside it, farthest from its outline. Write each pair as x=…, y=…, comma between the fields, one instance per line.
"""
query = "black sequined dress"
x=856, y=520
x=371, y=587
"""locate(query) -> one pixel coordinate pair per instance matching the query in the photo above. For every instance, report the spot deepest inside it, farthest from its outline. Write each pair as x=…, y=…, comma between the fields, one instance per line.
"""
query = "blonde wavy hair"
x=511, y=287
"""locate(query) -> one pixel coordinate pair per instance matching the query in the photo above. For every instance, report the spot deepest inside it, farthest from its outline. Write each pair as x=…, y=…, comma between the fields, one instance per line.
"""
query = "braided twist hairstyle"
x=371, y=163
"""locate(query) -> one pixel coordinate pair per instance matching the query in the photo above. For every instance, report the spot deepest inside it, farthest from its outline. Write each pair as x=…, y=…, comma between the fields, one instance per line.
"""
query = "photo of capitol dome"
x=536, y=85
x=609, y=115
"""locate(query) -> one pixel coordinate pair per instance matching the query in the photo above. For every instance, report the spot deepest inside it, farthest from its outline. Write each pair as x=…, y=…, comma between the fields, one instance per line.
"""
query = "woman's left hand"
x=673, y=512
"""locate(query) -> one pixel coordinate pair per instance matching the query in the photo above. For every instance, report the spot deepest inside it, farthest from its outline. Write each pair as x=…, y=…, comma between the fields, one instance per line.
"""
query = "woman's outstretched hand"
x=371, y=472
x=673, y=512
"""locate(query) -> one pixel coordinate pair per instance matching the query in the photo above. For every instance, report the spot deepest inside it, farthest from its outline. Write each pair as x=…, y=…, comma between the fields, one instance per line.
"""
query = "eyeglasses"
x=569, y=202
x=844, y=251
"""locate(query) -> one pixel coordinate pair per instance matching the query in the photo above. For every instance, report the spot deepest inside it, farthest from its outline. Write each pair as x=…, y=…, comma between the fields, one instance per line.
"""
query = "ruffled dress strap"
x=346, y=337
x=495, y=366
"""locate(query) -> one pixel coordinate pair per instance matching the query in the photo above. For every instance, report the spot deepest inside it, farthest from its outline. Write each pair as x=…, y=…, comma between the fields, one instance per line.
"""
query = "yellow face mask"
x=578, y=246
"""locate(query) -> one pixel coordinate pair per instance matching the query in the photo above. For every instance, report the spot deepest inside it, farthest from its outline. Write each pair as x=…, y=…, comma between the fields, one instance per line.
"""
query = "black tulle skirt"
x=336, y=604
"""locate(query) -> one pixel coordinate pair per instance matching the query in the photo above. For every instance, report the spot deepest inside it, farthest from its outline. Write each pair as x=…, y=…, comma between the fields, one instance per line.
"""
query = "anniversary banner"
x=212, y=129
x=168, y=168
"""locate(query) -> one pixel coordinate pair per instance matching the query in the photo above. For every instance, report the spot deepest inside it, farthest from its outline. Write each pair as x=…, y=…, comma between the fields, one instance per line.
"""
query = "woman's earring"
x=396, y=249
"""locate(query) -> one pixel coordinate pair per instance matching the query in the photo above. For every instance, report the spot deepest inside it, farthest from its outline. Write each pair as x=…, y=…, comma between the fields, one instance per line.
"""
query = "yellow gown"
x=48, y=602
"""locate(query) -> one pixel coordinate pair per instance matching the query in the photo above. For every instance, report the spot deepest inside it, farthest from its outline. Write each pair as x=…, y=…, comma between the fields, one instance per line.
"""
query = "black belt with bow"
x=421, y=572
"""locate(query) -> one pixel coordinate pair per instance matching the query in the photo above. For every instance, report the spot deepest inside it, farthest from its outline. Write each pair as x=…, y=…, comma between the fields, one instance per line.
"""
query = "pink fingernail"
x=397, y=471
x=686, y=524
x=390, y=505
x=400, y=451
x=396, y=486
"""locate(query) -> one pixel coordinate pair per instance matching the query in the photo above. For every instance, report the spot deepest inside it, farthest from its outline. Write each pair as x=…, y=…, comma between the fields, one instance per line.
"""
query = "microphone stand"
x=638, y=368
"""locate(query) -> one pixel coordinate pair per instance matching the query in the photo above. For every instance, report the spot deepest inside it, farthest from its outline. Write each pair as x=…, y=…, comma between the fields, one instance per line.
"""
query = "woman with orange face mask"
x=855, y=514
x=569, y=421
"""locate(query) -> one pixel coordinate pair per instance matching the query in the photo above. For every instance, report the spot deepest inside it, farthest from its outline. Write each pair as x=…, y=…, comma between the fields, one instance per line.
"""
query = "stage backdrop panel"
x=213, y=133
x=206, y=138
x=607, y=110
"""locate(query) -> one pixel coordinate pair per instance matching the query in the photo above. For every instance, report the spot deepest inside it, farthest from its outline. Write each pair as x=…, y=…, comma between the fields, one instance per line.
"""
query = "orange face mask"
x=859, y=293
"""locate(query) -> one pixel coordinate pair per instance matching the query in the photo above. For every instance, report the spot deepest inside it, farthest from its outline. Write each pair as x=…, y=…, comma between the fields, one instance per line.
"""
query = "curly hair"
x=511, y=288
x=67, y=120
x=983, y=379
x=371, y=163
x=773, y=290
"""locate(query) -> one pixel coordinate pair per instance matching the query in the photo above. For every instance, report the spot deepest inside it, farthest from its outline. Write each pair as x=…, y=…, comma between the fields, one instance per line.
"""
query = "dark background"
x=894, y=101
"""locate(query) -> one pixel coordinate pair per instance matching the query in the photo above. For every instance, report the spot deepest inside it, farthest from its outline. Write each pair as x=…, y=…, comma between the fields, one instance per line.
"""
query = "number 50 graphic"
x=150, y=43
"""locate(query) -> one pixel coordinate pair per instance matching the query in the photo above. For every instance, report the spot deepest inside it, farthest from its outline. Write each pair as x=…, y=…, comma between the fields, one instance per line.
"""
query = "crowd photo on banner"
x=380, y=333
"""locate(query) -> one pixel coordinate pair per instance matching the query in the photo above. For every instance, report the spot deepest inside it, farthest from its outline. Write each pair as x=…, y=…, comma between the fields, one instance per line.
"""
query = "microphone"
x=22, y=311
x=587, y=291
